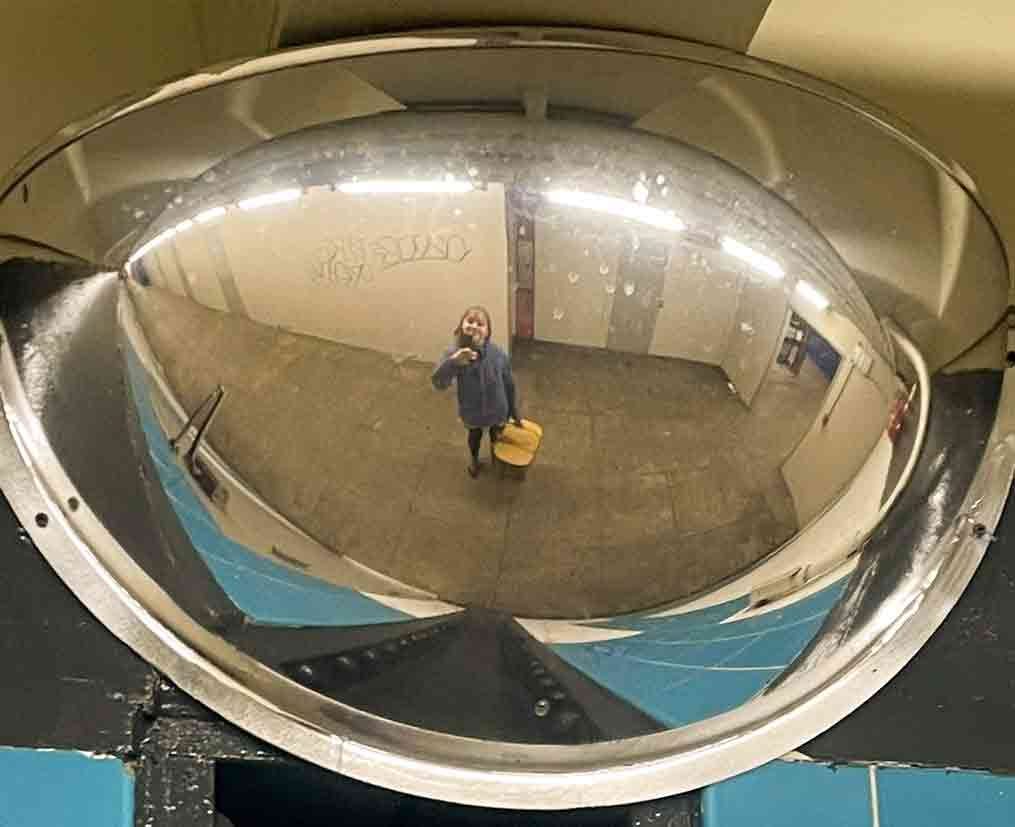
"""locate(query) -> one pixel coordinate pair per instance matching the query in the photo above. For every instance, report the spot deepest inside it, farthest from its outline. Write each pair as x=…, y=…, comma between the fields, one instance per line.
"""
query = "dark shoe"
x=474, y=468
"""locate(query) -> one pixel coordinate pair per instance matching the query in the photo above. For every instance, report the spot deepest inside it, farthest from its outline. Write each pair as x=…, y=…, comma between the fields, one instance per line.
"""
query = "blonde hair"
x=486, y=315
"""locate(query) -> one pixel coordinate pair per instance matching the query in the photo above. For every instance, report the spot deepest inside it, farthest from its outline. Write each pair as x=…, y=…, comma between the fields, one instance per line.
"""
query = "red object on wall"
x=899, y=412
x=524, y=313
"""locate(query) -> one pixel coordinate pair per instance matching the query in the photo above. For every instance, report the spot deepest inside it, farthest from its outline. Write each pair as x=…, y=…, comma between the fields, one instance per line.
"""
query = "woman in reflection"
x=482, y=373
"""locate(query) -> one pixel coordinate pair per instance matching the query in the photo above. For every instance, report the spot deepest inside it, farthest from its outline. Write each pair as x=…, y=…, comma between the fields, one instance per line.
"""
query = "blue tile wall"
x=63, y=788
x=267, y=592
x=800, y=794
x=789, y=794
x=911, y=797
x=688, y=667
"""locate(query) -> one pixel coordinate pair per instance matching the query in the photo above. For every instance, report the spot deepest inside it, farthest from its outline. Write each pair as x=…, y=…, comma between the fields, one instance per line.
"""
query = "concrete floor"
x=653, y=481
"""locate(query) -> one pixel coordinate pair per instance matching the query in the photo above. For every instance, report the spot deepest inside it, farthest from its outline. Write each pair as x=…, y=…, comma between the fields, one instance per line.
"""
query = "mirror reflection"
x=638, y=400
x=431, y=408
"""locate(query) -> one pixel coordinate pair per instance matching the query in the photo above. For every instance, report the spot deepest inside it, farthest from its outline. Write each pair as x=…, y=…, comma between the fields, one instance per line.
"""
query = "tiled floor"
x=653, y=482
x=266, y=591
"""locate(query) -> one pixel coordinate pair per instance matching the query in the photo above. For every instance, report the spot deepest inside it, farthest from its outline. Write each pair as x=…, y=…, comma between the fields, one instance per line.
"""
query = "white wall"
x=756, y=335
x=831, y=453
x=578, y=279
x=386, y=272
x=699, y=308
x=573, y=301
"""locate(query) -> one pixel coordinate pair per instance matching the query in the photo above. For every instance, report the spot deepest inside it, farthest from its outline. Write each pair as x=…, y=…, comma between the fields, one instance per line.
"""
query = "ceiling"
x=945, y=68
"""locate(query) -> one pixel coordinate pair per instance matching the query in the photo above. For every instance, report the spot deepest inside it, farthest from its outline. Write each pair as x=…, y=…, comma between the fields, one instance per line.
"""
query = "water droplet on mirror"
x=611, y=289
x=473, y=172
x=660, y=179
x=640, y=193
x=604, y=269
x=573, y=277
x=558, y=314
x=665, y=191
x=541, y=708
x=139, y=214
x=628, y=288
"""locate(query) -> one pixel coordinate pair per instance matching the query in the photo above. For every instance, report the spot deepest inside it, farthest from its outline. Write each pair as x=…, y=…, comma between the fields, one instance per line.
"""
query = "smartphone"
x=465, y=341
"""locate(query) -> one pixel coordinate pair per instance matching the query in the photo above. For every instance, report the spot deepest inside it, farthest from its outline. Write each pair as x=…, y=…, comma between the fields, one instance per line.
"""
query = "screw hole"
x=73, y=503
x=979, y=530
x=41, y=520
x=24, y=193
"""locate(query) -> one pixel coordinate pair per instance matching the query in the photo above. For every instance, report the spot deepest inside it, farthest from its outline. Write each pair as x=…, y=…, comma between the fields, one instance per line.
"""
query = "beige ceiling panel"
x=63, y=61
x=730, y=24
x=948, y=69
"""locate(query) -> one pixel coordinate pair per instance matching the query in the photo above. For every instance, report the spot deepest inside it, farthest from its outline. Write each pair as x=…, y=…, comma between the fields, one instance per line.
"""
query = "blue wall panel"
x=688, y=667
x=265, y=591
x=63, y=788
x=910, y=797
x=789, y=794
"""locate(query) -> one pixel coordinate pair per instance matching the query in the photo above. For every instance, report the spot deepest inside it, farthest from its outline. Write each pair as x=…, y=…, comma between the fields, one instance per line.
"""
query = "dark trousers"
x=476, y=438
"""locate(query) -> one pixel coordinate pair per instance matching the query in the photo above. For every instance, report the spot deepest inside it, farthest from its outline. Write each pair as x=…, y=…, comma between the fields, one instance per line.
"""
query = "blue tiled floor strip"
x=800, y=794
x=788, y=794
x=266, y=592
x=917, y=798
x=63, y=788
x=688, y=667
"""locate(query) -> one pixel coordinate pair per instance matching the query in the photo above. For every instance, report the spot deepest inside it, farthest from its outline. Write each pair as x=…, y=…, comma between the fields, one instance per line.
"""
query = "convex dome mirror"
x=472, y=439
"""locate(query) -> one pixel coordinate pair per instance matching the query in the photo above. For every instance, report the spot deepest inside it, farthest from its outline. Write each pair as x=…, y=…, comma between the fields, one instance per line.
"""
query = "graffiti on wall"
x=392, y=251
x=342, y=262
x=352, y=261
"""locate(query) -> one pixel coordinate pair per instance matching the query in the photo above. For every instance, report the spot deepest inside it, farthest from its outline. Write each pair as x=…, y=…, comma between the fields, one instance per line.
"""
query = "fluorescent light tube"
x=619, y=207
x=812, y=294
x=768, y=266
x=279, y=197
x=209, y=214
x=151, y=244
x=402, y=187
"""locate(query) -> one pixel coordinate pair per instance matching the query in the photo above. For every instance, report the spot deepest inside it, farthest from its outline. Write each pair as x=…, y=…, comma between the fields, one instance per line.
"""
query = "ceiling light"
x=372, y=187
x=209, y=214
x=812, y=294
x=768, y=266
x=279, y=197
x=619, y=207
x=151, y=244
